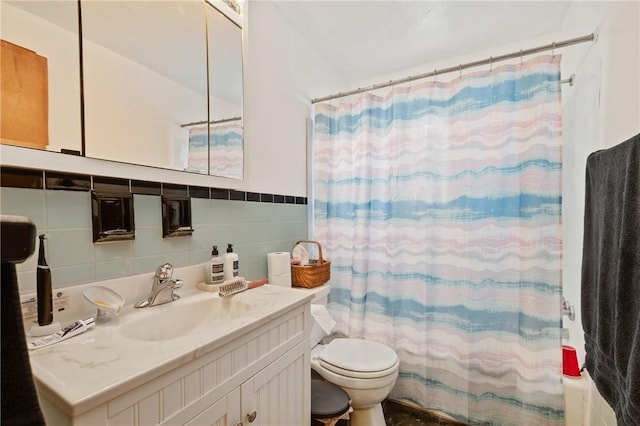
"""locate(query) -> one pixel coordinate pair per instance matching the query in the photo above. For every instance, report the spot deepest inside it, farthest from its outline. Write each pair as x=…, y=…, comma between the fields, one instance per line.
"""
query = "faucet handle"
x=164, y=272
x=177, y=284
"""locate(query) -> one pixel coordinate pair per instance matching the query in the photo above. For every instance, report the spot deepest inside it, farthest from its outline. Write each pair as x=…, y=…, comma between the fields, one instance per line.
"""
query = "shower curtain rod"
x=488, y=61
x=224, y=120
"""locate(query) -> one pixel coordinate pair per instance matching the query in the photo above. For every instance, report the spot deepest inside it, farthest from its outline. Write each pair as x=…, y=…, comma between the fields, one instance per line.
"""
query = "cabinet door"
x=224, y=412
x=280, y=394
x=25, y=107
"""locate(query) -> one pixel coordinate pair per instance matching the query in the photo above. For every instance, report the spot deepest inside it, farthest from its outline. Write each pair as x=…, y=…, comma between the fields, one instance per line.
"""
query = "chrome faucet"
x=163, y=288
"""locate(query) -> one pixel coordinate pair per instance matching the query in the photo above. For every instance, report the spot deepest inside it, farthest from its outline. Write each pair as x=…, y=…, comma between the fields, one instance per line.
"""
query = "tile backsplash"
x=256, y=225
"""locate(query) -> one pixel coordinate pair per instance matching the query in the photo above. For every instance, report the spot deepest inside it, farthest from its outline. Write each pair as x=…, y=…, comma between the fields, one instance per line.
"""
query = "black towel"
x=19, y=399
x=611, y=277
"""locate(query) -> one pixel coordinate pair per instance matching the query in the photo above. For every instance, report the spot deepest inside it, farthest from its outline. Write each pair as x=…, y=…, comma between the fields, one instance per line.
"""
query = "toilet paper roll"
x=279, y=268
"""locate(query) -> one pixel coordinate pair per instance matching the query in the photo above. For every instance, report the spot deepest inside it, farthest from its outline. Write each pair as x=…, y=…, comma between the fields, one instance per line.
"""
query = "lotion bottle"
x=216, y=267
x=231, y=263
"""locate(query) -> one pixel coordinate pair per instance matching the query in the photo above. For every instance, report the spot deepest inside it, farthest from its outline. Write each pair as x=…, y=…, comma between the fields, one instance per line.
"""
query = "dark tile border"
x=237, y=195
x=146, y=187
x=173, y=189
x=253, y=196
x=14, y=177
x=68, y=181
x=199, y=192
x=111, y=184
x=219, y=194
x=19, y=177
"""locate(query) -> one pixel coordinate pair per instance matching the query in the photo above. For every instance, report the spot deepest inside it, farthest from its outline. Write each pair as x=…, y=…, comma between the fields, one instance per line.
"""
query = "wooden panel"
x=123, y=418
x=225, y=369
x=172, y=399
x=24, y=110
x=149, y=411
x=223, y=412
x=192, y=389
x=210, y=376
x=278, y=392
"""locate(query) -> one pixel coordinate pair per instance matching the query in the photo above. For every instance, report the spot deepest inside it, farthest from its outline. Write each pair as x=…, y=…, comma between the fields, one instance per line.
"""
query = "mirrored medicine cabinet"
x=160, y=83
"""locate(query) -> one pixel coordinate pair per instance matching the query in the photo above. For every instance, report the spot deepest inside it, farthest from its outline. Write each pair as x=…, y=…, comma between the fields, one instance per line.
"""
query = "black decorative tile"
x=145, y=187
x=253, y=196
x=111, y=184
x=237, y=195
x=176, y=216
x=199, y=192
x=112, y=216
x=67, y=181
x=17, y=177
x=219, y=194
x=31, y=178
x=173, y=189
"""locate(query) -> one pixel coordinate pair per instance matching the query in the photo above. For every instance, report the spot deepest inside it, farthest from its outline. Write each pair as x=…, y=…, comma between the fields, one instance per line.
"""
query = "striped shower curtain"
x=439, y=206
x=224, y=150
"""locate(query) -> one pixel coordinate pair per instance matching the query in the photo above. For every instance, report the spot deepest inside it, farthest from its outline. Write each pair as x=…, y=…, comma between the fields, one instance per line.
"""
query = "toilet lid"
x=359, y=358
x=327, y=400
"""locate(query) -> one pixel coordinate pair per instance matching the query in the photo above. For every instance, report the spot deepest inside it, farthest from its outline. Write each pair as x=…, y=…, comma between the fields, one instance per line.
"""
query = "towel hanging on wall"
x=611, y=276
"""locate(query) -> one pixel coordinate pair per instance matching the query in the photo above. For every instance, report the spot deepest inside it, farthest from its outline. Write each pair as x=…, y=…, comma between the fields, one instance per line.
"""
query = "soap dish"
x=105, y=299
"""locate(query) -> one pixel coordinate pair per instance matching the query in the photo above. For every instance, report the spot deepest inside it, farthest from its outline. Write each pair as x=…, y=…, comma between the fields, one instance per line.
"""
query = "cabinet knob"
x=252, y=416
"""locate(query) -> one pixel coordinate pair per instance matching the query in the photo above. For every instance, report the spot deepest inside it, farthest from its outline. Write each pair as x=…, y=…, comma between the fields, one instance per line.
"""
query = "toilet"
x=365, y=369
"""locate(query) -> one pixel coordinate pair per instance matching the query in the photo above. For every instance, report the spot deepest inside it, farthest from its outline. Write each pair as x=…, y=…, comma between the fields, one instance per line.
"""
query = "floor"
x=398, y=414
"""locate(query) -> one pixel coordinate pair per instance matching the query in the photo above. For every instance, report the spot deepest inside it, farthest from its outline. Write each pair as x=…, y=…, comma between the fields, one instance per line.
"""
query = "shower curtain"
x=439, y=206
x=224, y=150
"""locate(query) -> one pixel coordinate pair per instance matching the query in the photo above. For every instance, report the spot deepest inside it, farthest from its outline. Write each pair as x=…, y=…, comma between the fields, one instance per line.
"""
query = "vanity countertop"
x=84, y=371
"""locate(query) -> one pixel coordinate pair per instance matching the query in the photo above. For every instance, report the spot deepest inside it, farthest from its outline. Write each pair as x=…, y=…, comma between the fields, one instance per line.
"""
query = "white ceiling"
x=363, y=39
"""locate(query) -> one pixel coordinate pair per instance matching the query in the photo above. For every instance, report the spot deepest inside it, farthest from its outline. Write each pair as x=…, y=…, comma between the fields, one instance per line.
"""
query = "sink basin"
x=182, y=318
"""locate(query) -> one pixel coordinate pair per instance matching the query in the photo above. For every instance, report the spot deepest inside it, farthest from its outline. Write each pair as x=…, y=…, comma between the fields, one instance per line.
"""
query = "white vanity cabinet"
x=256, y=376
x=280, y=394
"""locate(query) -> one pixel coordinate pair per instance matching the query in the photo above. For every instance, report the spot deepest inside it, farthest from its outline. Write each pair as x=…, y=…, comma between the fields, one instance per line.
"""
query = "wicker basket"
x=313, y=275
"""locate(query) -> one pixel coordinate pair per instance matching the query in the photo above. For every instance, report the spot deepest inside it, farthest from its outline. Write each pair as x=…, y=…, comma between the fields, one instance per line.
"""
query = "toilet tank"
x=322, y=321
x=320, y=294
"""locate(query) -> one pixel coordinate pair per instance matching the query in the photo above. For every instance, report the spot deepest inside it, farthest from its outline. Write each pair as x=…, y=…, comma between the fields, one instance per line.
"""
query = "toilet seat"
x=358, y=358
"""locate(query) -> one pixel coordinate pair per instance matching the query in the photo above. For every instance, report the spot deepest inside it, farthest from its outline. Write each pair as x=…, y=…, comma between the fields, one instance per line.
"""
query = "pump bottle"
x=231, y=263
x=216, y=267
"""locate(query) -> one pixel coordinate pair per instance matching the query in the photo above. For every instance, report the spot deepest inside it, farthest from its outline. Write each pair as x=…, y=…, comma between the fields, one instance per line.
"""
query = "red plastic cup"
x=570, y=362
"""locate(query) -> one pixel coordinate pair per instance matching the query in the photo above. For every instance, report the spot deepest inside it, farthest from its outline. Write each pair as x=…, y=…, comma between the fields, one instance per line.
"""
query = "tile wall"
x=59, y=204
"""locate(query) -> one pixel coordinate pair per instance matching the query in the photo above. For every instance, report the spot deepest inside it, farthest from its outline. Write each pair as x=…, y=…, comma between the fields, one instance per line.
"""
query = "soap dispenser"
x=216, y=267
x=231, y=263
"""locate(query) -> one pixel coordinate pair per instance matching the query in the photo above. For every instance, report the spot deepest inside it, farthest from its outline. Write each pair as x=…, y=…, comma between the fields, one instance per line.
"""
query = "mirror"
x=41, y=75
x=224, y=150
x=143, y=78
x=147, y=94
x=225, y=96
